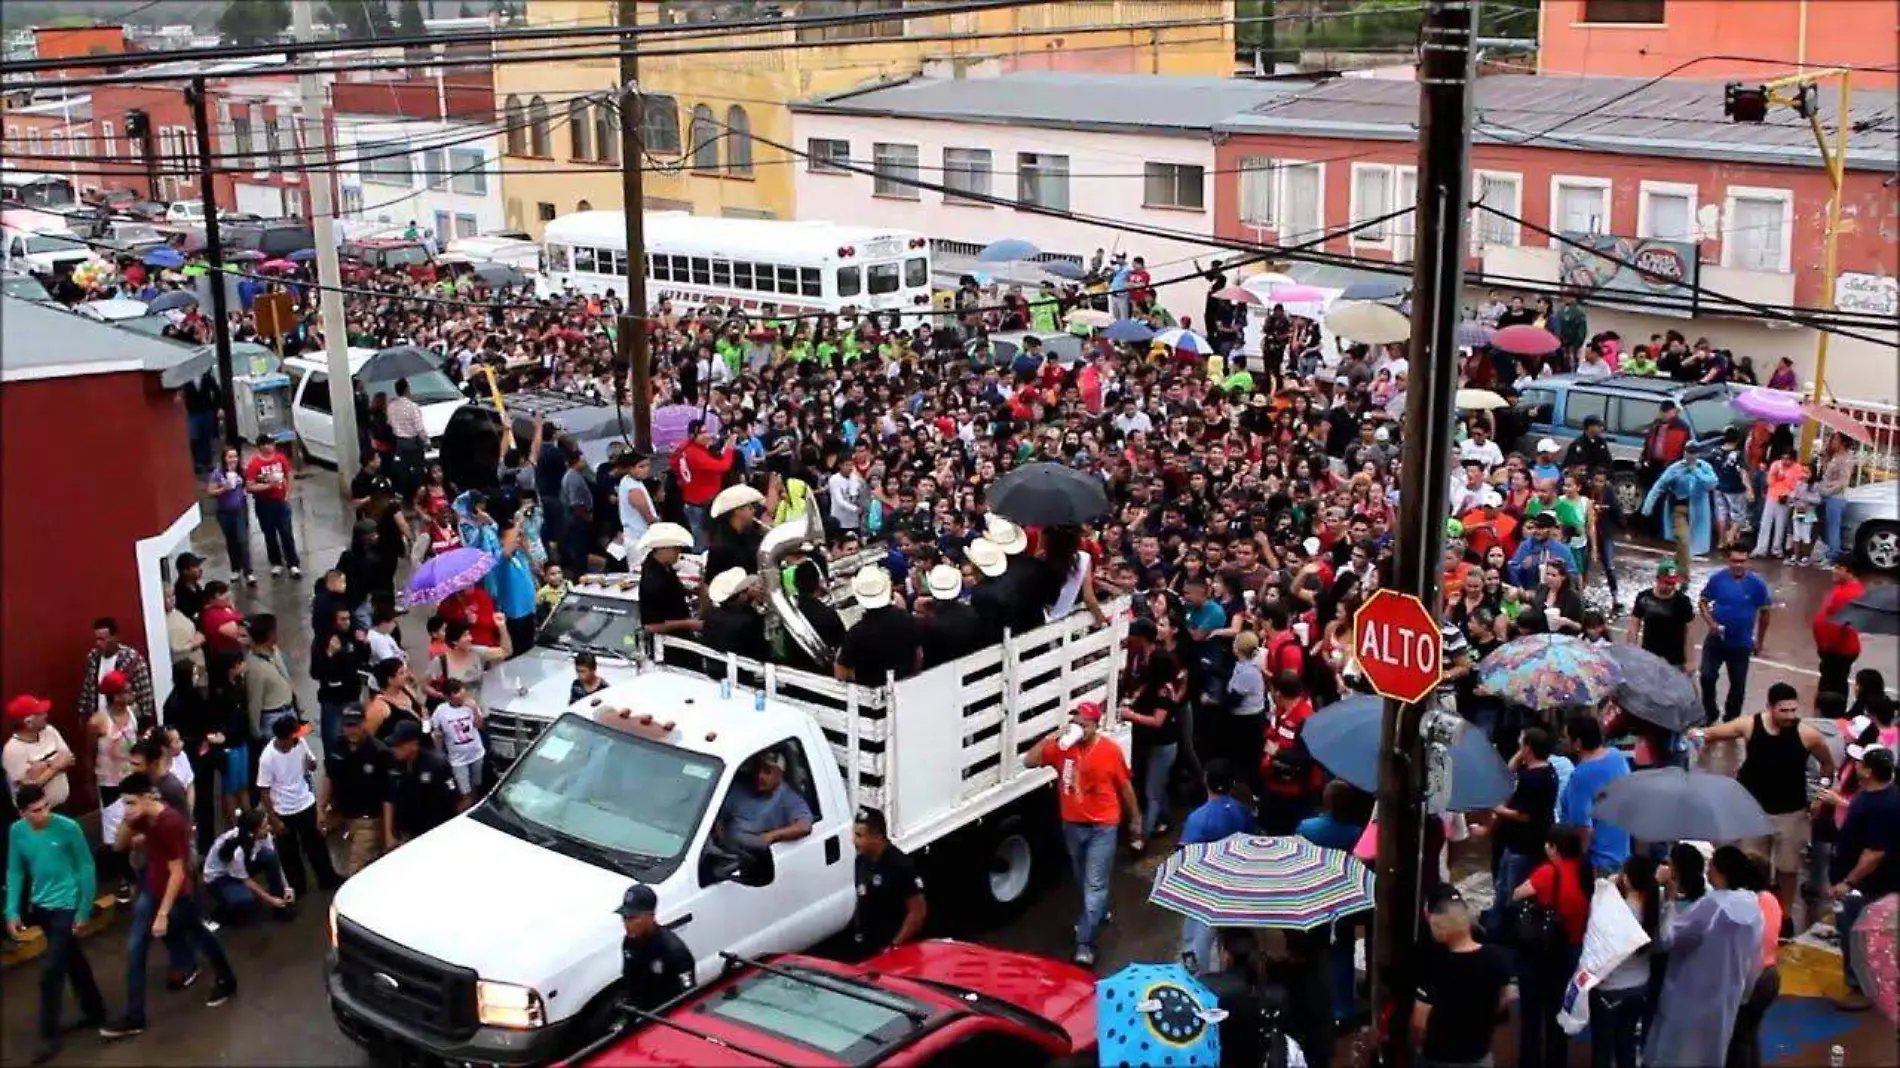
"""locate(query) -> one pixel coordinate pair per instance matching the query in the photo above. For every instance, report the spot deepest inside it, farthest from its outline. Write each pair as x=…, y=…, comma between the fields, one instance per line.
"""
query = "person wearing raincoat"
x=1715, y=955
x=479, y=532
x=1682, y=494
x=795, y=502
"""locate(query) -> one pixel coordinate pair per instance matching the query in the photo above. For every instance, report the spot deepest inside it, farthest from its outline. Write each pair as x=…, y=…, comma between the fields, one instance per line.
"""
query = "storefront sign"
x=1867, y=294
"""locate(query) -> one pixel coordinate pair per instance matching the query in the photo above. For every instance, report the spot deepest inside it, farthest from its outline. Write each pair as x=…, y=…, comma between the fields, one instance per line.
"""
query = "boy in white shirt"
x=283, y=777
x=457, y=726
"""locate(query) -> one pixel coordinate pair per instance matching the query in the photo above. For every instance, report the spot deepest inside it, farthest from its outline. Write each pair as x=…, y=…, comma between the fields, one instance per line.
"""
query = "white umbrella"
x=1364, y=321
x=1479, y=400
x=1093, y=318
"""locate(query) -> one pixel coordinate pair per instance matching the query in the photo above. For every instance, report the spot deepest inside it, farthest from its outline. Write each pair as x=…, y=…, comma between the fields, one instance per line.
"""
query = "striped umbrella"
x=1250, y=881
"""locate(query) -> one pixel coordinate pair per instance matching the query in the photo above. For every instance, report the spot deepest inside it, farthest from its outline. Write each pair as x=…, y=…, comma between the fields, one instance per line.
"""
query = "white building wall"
x=369, y=204
x=1106, y=181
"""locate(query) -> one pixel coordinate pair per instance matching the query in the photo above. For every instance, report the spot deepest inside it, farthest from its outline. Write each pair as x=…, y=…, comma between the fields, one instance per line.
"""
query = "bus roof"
x=732, y=238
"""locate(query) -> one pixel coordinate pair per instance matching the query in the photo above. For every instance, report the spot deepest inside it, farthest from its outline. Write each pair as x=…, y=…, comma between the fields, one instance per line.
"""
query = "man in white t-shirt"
x=1481, y=448
x=283, y=778
x=35, y=752
x=382, y=636
x=242, y=869
x=846, y=487
x=457, y=726
x=634, y=499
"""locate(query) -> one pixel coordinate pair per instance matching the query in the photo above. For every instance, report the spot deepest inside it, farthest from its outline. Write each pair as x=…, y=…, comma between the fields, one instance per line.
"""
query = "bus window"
x=742, y=276
x=584, y=260
x=916, y=272
x=659, y=269
x=808, y=282
x=678, y=266
x=619, y=262
x=702, y=271
x=883, y=278
x=788, y=280
x=763, y=279
x=850, y=282
x=557, y=258
x=722, y=272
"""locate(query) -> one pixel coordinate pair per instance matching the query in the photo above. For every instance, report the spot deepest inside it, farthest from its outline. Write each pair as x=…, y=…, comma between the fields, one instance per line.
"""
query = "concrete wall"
x=1815, y=33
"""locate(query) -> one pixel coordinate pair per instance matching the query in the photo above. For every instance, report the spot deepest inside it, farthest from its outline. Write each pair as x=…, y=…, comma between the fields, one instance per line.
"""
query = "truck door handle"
x=833, y=850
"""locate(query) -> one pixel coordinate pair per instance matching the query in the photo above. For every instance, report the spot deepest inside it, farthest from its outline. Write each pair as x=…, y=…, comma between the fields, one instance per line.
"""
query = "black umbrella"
x=1670, y=804
x=399, y=362
x=502, y=275
x=1875, y=612
x=1048, y=495
x=1654, y=690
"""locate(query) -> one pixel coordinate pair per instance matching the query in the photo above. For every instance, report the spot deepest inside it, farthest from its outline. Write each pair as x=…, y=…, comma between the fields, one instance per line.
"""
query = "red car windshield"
x=819, y=1011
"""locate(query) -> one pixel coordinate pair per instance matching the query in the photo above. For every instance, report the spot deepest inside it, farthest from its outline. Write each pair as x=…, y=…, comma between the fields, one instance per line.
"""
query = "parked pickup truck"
x=928, y=1003
x=492, y=939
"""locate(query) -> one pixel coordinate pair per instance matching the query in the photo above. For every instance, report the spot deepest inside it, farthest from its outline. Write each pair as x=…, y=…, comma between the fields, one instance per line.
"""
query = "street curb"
x=32, y=944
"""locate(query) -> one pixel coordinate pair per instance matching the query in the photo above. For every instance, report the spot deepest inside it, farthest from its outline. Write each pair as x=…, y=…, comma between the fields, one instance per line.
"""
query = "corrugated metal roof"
x=1672, y=117
x=1154, y=103
x=36, y=338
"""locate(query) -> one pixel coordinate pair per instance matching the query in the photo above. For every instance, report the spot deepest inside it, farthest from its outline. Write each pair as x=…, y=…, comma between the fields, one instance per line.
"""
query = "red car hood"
x=1058, y=992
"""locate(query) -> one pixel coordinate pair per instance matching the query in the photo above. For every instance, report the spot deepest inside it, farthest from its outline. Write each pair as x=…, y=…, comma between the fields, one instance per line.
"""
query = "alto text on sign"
x=1398, y=646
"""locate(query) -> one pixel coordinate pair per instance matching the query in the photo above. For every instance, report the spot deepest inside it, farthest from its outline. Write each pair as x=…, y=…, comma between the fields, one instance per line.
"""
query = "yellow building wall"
x=1096, y=37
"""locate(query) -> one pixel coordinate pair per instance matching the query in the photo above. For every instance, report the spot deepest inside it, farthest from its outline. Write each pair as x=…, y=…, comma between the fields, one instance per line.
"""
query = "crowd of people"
x=1255, y=497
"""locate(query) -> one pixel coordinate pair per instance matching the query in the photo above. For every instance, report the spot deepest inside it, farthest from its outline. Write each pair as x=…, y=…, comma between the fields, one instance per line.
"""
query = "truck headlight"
x=507, y=1005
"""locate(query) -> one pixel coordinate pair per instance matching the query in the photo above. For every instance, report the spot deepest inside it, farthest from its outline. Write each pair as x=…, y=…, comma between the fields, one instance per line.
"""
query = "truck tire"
x=1011, y=867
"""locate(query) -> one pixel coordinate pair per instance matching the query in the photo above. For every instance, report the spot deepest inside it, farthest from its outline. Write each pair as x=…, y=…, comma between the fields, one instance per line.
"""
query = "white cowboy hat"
x=944, y=582
x=727, y=583
x=871, y=587
x=986, y=557
x=1004, y=534
x=735, y=497
x=664, y=536
x=1547, y=445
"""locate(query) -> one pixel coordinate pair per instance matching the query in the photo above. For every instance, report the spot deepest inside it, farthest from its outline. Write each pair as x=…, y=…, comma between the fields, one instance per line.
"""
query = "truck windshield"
x=598, y=624
x=403, y=256
x=36, y=243
x=600, y=789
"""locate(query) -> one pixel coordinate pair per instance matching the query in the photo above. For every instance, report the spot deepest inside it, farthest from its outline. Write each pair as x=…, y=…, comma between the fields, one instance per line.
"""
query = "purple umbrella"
x=670, y=422
x=1769, y=406
x=444, y=576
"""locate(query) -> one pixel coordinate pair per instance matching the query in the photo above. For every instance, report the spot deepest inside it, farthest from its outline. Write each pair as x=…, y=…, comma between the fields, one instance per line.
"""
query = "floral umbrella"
x=1873, y=936
x=444, y=576
x=1549, y=671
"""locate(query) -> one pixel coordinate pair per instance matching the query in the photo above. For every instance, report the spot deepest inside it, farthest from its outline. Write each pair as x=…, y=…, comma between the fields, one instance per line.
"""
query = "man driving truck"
x=764, y=810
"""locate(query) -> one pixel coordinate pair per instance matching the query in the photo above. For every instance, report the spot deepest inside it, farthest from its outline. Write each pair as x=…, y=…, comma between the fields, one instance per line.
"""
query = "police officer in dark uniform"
x=355, y=778
x=422, y=794
x=891, y=908
x=655, y=966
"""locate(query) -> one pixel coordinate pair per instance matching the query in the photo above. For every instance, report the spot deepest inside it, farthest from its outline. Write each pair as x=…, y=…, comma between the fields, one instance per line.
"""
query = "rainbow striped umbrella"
x=1252, y=881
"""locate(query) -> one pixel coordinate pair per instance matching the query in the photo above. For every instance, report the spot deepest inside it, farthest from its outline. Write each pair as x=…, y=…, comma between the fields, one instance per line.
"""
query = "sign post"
x=1399, y=646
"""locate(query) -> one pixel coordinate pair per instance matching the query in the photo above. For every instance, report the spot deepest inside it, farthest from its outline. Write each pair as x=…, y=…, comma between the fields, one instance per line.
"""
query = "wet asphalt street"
x=281, y=1016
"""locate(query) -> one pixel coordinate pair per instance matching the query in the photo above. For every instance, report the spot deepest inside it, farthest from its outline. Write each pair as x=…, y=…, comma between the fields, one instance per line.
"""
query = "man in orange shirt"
x=1095, y=789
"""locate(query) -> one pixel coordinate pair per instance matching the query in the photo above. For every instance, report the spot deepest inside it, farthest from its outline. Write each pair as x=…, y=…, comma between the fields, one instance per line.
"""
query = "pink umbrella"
x=274, y=266
x=1296, y=294
x=1838, y=421
x=1768, y=406
x=1526, y=340
x=1238, y=294
x=1874, y=954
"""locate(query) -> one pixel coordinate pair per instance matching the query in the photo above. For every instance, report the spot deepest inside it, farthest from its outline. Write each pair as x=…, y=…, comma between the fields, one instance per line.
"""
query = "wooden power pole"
x=633, y=319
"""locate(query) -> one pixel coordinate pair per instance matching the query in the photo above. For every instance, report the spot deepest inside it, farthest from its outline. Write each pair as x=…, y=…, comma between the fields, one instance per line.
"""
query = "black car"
x=273, y=238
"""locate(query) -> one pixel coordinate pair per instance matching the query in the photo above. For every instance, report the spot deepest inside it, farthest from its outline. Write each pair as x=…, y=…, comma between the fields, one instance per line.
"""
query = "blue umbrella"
x=981, y=278
x=1065, y=269
x=1129, y=332
x=1375, y=289
x=1344, y=738
x=164, y=258
x=302, y=254
x=1156, y=1014
x=1007, y=250
x=171, y=300
x=1471, y=334
x=1670, y=804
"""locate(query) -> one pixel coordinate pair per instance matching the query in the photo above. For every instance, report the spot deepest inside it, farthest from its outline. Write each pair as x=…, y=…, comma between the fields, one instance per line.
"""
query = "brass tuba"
x=803, y=536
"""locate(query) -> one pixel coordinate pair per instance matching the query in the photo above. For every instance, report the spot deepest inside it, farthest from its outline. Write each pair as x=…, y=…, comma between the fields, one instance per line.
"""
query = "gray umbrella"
x=1654, y=690
x=501, y=274
x=171, y=299
x=1670, y=804
x=1875, y=612
x=399, y=362
x=1376, y=289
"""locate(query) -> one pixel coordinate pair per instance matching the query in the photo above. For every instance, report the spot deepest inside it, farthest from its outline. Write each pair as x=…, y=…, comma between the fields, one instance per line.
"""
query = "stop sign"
x=1398, y=646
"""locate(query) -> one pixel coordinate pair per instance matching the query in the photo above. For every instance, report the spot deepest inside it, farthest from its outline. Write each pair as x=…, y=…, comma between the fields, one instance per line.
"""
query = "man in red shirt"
x=701, y=470
x=1095, y=790
x=221, y=622
x=267, y=476
x=1289, y=777
x=167, y=905
x=1838, y=643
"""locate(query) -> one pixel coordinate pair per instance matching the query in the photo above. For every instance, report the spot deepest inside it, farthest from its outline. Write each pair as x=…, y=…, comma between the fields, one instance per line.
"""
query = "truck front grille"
x=434, y=996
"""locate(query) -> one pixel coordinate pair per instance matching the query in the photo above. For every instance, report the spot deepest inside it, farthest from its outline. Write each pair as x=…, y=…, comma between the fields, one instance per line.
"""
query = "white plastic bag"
x=1613, y=934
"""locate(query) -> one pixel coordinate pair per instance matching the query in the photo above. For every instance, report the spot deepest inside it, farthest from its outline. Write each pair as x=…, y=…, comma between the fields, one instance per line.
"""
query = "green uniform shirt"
x=59, y=862
x=731, y=352
x=1042, y=315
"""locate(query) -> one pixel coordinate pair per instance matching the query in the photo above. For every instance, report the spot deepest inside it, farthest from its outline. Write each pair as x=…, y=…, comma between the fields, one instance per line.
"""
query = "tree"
x=246, y=22
x=409, y=20
x=358, y=18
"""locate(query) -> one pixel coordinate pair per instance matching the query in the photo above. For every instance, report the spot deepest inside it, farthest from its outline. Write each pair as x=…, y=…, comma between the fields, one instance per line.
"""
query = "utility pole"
x=330, y=299
x=1445, y=74
x=633, y=320
x=196, y=96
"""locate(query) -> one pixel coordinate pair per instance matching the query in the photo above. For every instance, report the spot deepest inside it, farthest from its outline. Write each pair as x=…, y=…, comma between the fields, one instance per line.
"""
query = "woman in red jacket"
x=1837, y=642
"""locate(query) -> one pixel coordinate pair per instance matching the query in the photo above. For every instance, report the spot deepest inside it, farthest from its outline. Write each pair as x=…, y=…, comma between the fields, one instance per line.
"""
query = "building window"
x=1257, y=177
x=539, y=139
x=966, y=171
x=1500, y=193
x=705, y=147
x=607, y=131
x=1371, y=198
x=1666, y=210
x=471, y=172
x=57, y=147
x=583, y=205
x=293, y=203
x=1042, y=180
x=108, y=141
x=241, y=131
x=390, y=169
x=544, y=211
x=580, y=132
x=352, y=196
x=825, y=155
x=466, y=226
x=1755, y=228
x=287, y=137
x=1174, y=185
x=435, y=166
x=1579, y=205
x=738, y=141
x=273, y=148
x=896, y=171
x=1624, y=11
x=1302, y=201
x=660, y=124
x=517, y=123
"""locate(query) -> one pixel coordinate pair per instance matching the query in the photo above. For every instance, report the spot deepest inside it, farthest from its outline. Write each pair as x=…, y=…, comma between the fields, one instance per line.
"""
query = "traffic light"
x=137, y=124
x=1745, y=103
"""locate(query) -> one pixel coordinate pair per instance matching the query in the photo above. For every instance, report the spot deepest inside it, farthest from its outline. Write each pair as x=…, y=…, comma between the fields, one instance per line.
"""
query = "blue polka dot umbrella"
x=1149, y=1015
x=1254, y=881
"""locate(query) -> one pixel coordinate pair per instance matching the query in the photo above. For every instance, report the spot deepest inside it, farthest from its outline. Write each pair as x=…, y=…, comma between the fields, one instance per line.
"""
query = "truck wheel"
x=1008, y=868
x=1879, y=546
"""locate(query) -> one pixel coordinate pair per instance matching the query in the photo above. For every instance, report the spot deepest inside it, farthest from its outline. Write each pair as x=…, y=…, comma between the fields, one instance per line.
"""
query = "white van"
x=521, y=255
x=311, y=408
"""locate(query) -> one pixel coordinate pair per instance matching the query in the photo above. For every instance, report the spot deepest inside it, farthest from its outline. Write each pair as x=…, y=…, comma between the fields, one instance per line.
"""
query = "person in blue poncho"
x=1682, y=492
